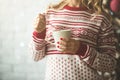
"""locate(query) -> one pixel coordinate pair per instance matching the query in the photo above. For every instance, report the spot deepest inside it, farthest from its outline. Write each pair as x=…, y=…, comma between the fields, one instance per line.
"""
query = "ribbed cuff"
x=40, y=35
x=82, y=50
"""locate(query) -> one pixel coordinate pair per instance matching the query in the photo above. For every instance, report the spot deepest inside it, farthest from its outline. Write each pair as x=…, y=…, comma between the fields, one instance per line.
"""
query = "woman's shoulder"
x=52, y=10
x=106, y=16
x=102, y=14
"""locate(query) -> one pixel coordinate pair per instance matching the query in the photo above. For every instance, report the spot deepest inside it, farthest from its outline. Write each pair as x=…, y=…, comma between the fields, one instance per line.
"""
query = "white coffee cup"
x=65, y=34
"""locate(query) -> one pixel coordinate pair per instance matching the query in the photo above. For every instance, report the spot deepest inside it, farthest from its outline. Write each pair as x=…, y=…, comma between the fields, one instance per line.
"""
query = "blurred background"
x=16, y=26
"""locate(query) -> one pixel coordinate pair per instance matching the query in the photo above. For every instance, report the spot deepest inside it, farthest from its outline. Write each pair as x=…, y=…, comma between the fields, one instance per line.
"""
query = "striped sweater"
x=96, y=53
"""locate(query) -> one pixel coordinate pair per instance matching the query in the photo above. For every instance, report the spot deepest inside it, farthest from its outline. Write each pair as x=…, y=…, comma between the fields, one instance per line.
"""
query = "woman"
x=91, y=48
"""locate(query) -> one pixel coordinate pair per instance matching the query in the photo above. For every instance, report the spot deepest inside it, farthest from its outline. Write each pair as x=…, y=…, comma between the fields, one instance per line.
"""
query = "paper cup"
x=66, y=34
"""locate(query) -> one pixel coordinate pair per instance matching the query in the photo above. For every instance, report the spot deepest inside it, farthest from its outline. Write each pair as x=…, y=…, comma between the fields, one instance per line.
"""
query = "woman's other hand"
x=69, y=46
x=40, y=23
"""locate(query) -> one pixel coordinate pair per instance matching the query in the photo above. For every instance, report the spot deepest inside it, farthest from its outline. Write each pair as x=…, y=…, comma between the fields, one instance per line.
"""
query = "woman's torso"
x=85, y=27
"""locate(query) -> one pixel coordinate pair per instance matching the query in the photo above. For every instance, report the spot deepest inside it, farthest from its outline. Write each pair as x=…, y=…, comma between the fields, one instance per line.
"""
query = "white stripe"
x=107, y=34
x=78, y=12
x=107, y=46
x=69, y=25
x=85, y=40
x=76, y=19
x=68, y=11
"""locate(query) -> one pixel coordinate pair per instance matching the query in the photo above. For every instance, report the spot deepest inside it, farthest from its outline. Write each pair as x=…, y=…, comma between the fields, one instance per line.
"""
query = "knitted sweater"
x=96, y=53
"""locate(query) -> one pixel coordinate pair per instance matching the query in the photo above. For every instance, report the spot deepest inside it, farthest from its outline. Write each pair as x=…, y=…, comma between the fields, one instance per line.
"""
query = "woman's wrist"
x=39, y=30
x=77, y=44
x=40, y=35
x=82, y=49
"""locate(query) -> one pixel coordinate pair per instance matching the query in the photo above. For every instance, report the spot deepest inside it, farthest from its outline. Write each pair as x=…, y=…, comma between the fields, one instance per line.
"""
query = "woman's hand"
x=69, y=46
x=40, y=23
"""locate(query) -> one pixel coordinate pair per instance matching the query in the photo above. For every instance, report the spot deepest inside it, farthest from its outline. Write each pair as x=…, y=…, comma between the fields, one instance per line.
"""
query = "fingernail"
x=61, y=38
x=57, y=42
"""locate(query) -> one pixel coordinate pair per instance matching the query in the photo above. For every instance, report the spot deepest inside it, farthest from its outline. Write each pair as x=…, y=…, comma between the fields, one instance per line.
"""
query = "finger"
x=69, y=43
x=62, y=43
x=63, y=48
x=64, y=39
x=66, y=45
x=71, y=46
x=42, y=16
x=40, y=19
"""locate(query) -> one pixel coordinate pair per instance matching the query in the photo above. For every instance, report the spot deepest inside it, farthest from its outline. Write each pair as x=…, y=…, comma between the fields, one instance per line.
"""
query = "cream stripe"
x=107, y=46
x=69, y=25
x=76, y=19
x=78, y=12
x=85, y=40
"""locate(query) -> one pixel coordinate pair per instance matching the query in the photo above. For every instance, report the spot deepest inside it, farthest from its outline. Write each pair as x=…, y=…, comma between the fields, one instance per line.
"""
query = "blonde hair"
x=95, y=5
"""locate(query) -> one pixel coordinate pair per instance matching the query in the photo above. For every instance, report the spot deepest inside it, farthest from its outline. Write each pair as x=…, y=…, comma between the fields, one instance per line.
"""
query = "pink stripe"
x=75, y=23
x=104, y=19
x=79, y=13
x=57, y=52
x=69, y=13
x=38, y=41
x=93, y=59
x=87, y=53
x=65, y=22
x=70, y=22
x=34, y=37
x=60, y=53
x=66, y=14
x=109, y=29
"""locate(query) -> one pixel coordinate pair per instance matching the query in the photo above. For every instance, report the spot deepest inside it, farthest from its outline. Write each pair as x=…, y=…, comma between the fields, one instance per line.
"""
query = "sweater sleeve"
x=38, y=45
x=102, y=58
